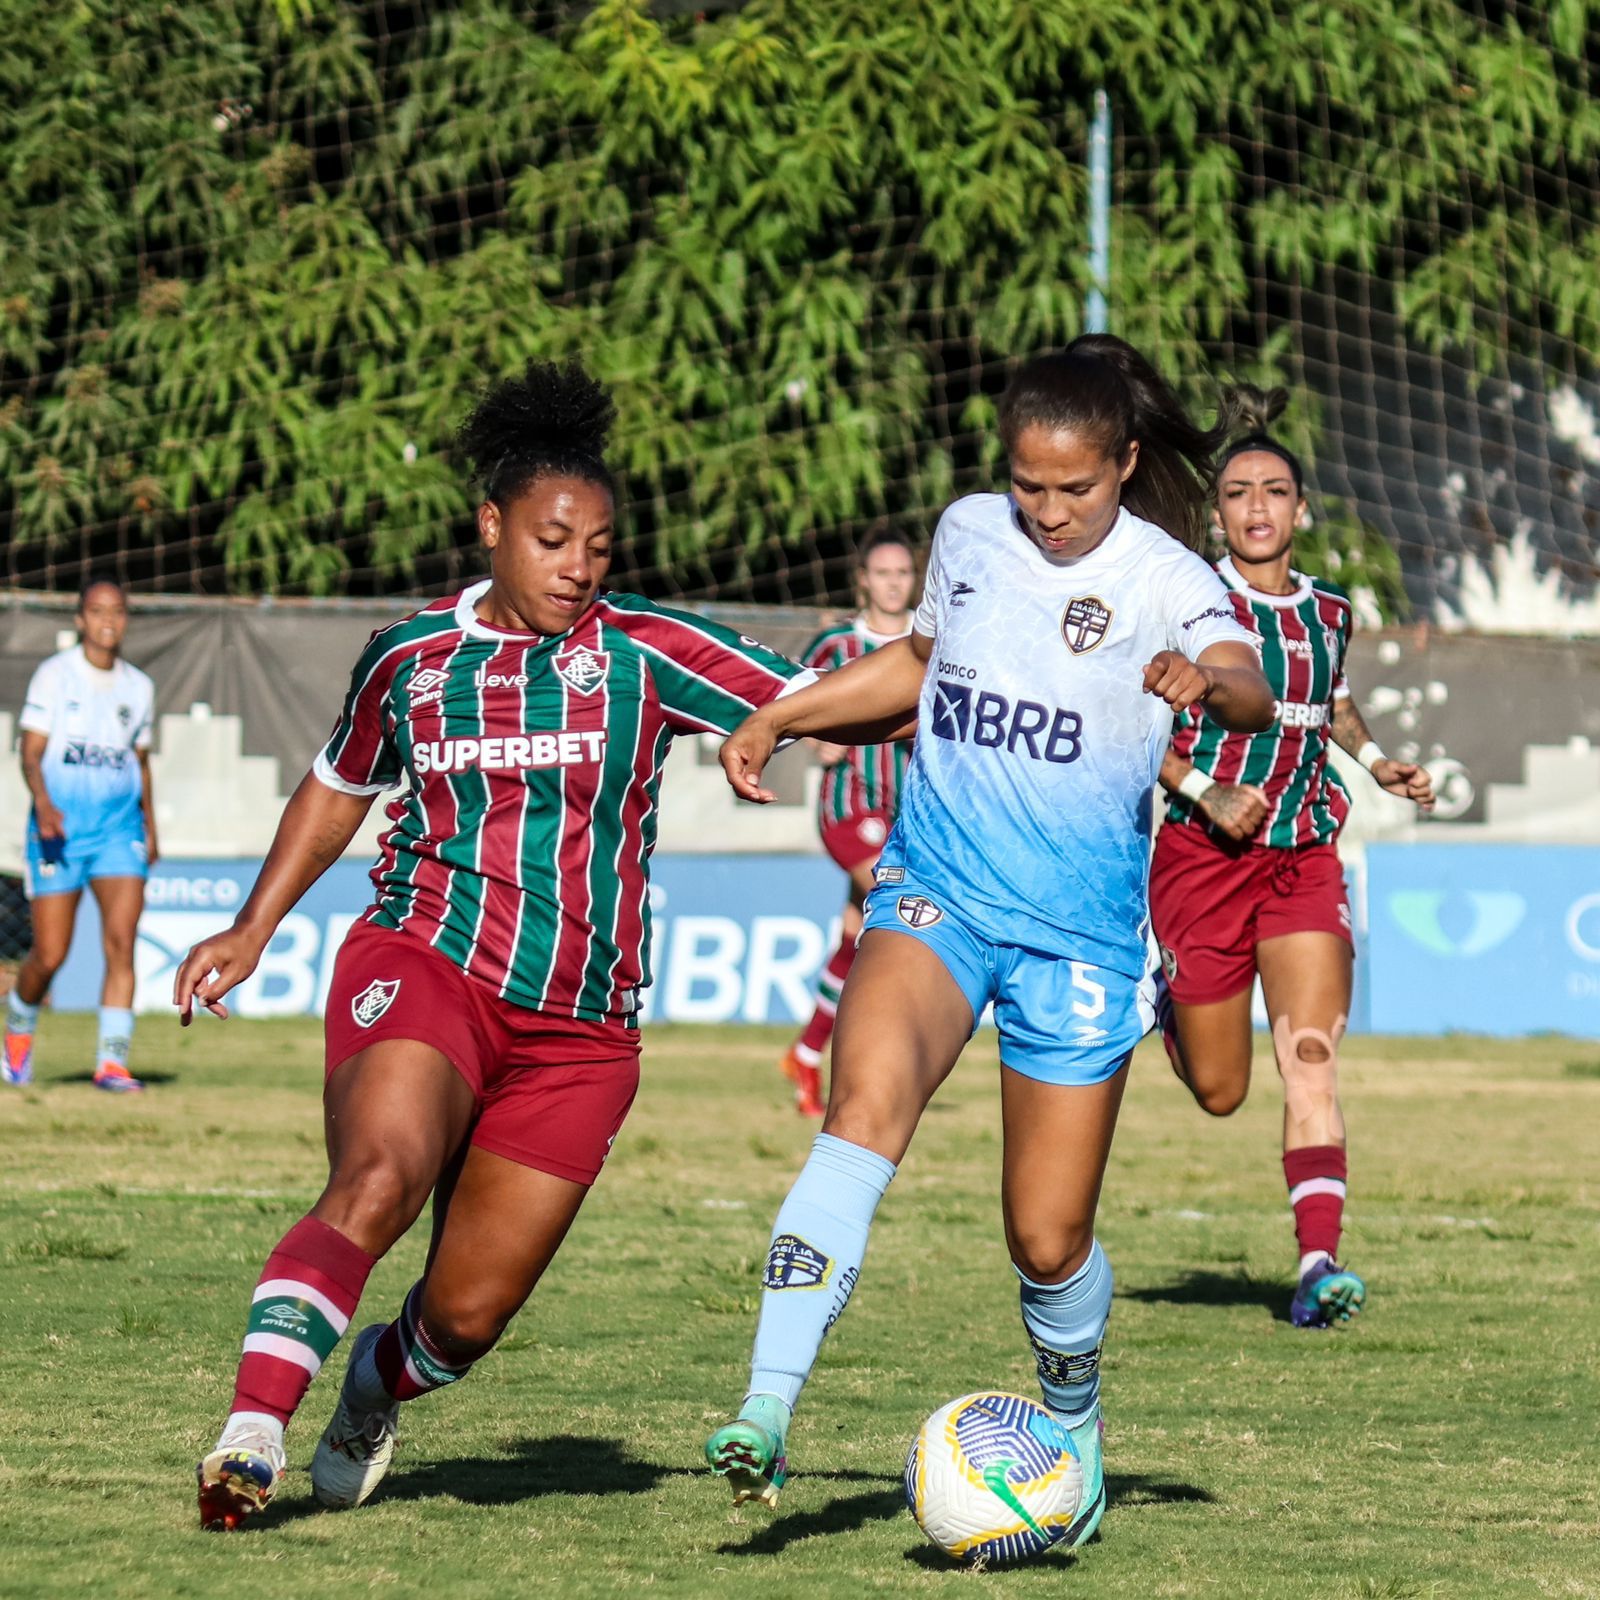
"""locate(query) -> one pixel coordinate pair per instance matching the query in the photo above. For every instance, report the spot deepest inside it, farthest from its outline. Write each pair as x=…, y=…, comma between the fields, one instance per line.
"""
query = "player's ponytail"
x=1102, y=386
x=548, y=420
x=1247, y=416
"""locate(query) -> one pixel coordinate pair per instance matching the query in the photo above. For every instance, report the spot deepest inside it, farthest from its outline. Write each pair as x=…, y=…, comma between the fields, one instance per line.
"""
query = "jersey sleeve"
x=40, y=704
x=145, y=720
x=360, y=757
x=935, y=589
x=708, y=677
x=1199, y=613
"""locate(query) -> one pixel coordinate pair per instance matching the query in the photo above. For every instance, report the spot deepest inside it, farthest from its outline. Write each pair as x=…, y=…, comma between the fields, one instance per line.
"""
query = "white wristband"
x=1196, y=785
x=1370, y=754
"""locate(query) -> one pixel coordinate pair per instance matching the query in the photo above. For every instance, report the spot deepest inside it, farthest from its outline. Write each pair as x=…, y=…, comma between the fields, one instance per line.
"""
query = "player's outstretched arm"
x=316, y=826
x=1407, y=779
x=1227, y=679
x=870, y=701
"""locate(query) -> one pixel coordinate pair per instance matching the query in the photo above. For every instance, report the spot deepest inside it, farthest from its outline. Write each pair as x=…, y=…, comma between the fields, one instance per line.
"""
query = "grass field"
x=1444, y=1446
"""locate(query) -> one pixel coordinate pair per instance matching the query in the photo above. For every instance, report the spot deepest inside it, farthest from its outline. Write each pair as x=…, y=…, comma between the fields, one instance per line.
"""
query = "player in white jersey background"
x=85, y=756
x=1062, y=625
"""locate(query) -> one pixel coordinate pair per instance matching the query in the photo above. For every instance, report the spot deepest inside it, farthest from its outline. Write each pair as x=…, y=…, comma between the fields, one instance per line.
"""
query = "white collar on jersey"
x=468, y=620
x=100, y=677
x=1234, y=579
x=860, y=626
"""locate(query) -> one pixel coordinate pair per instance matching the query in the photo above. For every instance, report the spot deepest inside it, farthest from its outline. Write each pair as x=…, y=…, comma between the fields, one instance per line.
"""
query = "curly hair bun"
x=549, y=419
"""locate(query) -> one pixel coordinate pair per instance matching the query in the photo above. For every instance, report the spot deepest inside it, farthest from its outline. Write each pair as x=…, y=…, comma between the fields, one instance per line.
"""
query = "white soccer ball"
x=993, y=1478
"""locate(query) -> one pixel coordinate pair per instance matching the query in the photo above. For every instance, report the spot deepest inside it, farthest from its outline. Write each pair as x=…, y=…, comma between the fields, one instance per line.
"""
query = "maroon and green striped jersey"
x=520, y=846
x=871, y=776
x=1305, y=636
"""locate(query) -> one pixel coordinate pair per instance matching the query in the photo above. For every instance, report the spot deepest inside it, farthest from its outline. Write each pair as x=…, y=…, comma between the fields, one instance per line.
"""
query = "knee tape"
x=1306, y=1081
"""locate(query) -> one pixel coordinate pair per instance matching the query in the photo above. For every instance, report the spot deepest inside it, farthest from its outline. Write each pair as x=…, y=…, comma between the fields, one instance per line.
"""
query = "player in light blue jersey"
x=1062, y=625
x=85, y=755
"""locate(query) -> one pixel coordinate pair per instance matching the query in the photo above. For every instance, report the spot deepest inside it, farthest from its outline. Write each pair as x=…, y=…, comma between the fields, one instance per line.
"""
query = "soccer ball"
x=993, y=1478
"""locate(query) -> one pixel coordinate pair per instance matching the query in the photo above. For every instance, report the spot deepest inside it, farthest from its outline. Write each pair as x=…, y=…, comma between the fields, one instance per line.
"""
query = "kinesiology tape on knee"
x=1307, y=1080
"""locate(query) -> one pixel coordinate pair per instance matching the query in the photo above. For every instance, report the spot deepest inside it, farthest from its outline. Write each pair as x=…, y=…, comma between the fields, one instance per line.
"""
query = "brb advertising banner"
x=1501, y=939
x=737, y=938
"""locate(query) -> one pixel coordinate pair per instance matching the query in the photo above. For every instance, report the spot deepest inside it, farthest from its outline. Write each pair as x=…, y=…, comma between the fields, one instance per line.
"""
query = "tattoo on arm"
x=1349, y=731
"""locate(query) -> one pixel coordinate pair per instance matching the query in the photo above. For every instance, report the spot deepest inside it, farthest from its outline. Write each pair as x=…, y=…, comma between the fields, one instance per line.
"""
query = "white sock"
x=1311, y=1258
x=248, y=1427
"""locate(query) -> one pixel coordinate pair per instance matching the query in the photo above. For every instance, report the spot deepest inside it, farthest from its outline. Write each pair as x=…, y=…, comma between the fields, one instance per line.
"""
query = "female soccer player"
x=860, y=795
x=482, y=1037
x=1246, y=877
x=86, y=759
x=1061, y=626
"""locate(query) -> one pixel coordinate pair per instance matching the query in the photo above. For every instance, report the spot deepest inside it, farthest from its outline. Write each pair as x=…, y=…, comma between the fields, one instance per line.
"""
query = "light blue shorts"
x=1060, y=1020
x=66, y=868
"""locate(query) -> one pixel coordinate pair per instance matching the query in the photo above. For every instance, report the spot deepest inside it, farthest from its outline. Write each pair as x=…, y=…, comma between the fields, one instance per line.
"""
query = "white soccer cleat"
x=238, y=1479
x=357, y=1446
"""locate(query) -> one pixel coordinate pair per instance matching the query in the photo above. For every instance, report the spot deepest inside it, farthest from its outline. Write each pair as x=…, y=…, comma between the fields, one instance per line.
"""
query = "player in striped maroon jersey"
x=482, y=1039
x=1246, y=876
x=860, y=793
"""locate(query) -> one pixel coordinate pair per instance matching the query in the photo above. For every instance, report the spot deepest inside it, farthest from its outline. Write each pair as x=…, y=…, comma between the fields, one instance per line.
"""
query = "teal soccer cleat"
x=1327, y=1295
x=751, y=1457
x=1087, y=1439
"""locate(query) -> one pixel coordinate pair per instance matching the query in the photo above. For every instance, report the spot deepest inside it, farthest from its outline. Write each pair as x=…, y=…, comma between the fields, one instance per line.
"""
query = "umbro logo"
x=426, y=685
x=284, y=1312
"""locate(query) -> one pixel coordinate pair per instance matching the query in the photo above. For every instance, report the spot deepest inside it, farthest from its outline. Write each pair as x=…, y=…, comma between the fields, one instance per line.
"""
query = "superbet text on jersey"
x=520, y=847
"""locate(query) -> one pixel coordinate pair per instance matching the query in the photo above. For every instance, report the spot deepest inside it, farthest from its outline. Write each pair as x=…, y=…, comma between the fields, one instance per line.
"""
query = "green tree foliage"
x=254, y=254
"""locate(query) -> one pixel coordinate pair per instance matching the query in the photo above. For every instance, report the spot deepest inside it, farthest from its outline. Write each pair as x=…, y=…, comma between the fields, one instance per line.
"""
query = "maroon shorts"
x=551, y=1091
x=1211, y=904
x=857, y=839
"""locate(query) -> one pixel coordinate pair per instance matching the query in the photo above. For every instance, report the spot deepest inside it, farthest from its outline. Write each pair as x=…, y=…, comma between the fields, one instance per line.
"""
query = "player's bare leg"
x=889, y=1058
x=1057, y=1142
x=802, y=1062
x=497, y=1226
x=1307, y=979
x=53, y=918
x=1213, y=1048
x=394, y=1116
x=120, y=901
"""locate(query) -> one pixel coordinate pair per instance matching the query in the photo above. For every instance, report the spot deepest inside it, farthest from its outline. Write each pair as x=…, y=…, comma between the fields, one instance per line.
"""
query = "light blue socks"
x=1066, y=1325
x=116, y=1035
x=818, y=1243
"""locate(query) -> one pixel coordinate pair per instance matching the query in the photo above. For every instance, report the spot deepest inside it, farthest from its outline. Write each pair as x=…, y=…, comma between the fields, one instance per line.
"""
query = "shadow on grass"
x=1205, y=1288
x=1130, y=1489
x=532, y=1468
x=843, y=1515
x=88, y=1077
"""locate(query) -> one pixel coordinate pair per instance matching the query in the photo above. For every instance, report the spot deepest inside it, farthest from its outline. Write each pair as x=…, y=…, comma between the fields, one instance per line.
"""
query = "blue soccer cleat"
x=1327, y=1295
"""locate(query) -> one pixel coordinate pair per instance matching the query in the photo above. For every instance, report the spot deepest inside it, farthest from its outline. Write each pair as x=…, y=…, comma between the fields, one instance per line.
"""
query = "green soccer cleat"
x=751, y=1457
x=1086, y=1441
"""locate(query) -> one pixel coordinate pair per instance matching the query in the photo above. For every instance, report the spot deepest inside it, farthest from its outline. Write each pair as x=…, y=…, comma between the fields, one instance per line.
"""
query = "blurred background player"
x=860, y=795
x=481, y=1032
x=1246, y=877
x=86, y=760
x=1051, y=648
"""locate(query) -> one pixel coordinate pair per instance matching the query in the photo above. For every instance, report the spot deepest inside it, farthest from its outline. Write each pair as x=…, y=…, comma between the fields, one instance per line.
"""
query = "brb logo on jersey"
x=1084, y=623
x=965, y=714
x=583, y=669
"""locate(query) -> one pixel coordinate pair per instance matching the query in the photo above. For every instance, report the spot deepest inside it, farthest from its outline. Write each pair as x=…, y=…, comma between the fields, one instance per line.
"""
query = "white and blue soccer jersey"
x=1027, y=810
x=96, y=722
